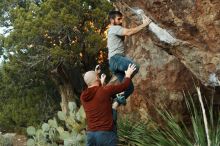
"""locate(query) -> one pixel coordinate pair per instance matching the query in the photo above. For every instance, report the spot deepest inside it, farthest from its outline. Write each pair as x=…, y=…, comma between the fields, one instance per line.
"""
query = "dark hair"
x=113, y=14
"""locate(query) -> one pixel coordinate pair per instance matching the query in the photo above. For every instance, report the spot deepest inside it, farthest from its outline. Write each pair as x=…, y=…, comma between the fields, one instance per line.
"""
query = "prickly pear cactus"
x=6, y=139
x=71, y=133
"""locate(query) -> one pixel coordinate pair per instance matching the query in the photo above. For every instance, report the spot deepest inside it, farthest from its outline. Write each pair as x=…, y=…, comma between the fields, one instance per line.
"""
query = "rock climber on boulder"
x=118, y=62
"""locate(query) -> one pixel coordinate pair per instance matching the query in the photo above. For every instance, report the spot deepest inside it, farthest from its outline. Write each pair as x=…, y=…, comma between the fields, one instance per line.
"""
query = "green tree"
x=51, y=43
x=61, y=37
x=26, y=99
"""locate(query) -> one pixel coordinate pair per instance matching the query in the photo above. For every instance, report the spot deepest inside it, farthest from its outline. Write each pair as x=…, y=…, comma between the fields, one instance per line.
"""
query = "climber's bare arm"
x=131, y=31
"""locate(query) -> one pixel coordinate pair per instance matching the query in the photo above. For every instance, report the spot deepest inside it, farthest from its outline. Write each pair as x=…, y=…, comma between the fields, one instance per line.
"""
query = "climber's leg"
x=120, y=63
x=130, y=88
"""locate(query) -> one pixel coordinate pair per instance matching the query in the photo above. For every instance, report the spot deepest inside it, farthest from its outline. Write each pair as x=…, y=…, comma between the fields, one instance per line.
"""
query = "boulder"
x=169, y=67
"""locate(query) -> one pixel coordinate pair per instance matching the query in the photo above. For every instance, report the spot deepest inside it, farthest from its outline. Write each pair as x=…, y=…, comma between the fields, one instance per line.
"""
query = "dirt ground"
x=20, y=140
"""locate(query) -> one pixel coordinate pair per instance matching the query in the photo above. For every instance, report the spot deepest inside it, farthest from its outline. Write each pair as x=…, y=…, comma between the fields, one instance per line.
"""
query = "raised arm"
x=114, y=89
x=131, y=31
x=103, y=76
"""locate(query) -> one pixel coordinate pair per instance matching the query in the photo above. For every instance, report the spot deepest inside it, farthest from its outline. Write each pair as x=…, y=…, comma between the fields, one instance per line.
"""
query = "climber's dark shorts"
x=101, y=138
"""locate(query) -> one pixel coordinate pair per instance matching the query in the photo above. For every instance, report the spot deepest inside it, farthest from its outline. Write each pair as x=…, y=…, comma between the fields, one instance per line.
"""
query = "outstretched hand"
x=103, y=76
x=97, y=69
x=146, y=20
x=130, y=70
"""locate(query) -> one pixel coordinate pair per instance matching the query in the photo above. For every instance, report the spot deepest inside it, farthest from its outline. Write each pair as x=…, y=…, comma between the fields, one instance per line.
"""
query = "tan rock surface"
x=167, y=69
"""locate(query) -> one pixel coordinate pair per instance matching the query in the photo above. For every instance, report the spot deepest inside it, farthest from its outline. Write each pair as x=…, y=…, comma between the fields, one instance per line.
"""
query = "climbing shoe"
x=120, y=98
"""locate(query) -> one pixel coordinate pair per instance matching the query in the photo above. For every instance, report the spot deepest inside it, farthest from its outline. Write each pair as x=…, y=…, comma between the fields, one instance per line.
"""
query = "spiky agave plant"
x=205, y=130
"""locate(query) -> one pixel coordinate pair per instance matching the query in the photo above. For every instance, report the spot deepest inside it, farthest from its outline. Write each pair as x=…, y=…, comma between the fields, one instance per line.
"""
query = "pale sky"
x=1, y=31
x=4, y=28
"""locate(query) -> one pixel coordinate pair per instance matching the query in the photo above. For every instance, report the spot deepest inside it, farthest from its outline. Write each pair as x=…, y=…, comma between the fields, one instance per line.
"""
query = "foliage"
x=172, y=133
x=70, y=133
x=43, y=35
x=6, y=140
x=51, y=32
x=25, y=99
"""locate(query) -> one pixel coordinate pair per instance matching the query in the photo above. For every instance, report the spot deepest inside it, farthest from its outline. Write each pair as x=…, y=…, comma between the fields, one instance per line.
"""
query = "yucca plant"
x=205, y=130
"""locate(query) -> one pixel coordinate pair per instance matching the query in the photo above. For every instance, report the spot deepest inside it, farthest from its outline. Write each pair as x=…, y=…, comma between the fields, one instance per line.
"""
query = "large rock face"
x=168, y=69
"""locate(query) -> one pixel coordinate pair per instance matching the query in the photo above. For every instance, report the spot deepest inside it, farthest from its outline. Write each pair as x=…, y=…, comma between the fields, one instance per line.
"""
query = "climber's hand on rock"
x=146, y=20
x=130, y=70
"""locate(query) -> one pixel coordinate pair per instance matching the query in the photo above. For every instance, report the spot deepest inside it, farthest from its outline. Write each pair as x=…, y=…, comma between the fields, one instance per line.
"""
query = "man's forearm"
x=114, y=89
x=136, y=29
x=132, y=31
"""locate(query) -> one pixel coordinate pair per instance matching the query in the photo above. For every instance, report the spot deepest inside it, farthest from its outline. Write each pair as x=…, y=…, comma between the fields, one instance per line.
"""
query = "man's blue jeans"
x=101, y=138
x=118, y=64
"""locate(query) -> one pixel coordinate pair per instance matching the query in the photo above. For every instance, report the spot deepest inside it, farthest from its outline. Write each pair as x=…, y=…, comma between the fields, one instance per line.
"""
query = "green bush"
x=17, y=113
x=204, y=130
